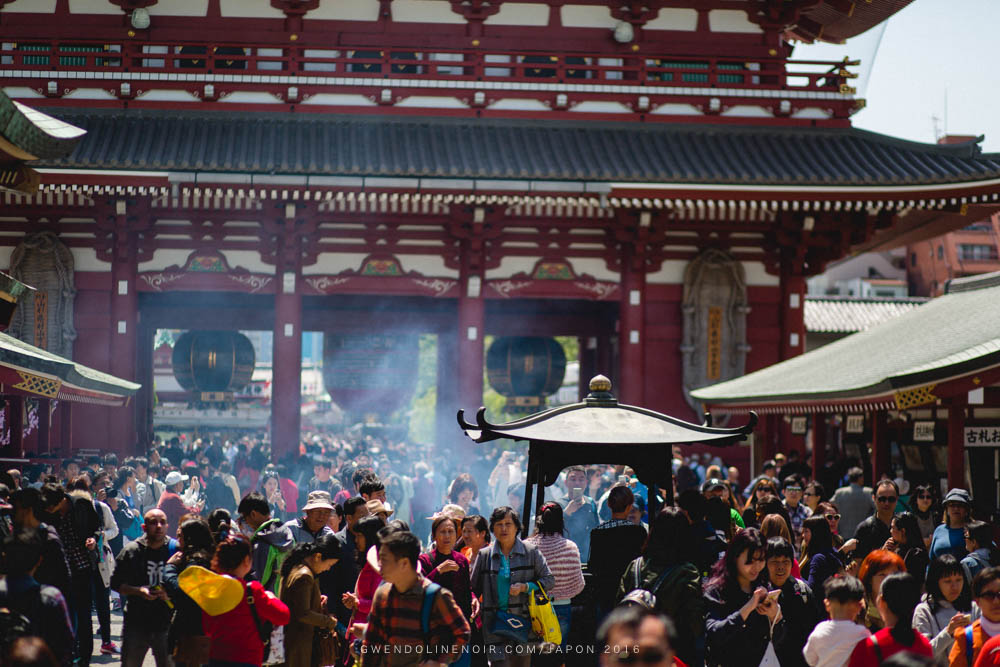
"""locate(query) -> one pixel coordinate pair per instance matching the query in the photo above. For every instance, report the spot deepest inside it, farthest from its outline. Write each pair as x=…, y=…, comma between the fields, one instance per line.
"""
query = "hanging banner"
x=923, y=431
x=982, y=436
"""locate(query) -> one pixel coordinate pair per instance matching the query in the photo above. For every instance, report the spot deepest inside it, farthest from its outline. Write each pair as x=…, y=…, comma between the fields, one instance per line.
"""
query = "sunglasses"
x=992, y=596
x=886, y=499
x=832, y=517
x=793, y=488
x=809, y=493
x=647, y=657
x=925, y=496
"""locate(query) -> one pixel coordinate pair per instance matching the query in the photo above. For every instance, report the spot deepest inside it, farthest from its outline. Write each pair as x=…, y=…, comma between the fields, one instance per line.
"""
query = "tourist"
x=906, y=541
x=949, y=537
x=464, y=492
x=760, y=489
x=369, y=532
x=928, y=515
x=78, y=524
x=979, y=544
x=186, y=638
x=270, y=488
x=138, y=578
x=171, y=503
x=53, y=570
x=876, y=566
x=475, y=536
x=313, y=524
x=42, y=605
x=774, y=526
x=579, y=511
x=855, y=501
x=820, y=560
x=613, y=545
x=236, y=637
x=986, y=593
x=636, y=635
x=504, y=573
x=799, y=606
x=395, y=620
x=300, y=593
x=947, y=606
x=896, y=601
x=563, y=558
x=812, y=495
x=873, y=532
x=666, y=570
x=741, y=618
x=270, y=539
x=344, y=575
x=831, y=643
x=322, y=480
x=798, y=511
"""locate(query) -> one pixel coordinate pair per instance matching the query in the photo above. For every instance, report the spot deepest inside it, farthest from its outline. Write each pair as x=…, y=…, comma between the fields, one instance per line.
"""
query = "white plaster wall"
x=250, y=97
x=511, y=265
x=595, y=267
x=249, y=260
x=520, y=13
x=587, y=16
x=674, y=19
x=672, y=273
x=731, y=20
x=432, y=102
x=676, y=109
x=186, y=8
x=598, y=106
x=20, y=92
x=346, y=10
x=85, y=259
x=84, y=7
x=164, y=258
x=5, y=253
x=333, y=99
x=758, y=277
x=424, y=11
x=251, y=9
x=335, y=262
x=168, y=96
x=747, y=111
x=89, y=94
x=431, y=266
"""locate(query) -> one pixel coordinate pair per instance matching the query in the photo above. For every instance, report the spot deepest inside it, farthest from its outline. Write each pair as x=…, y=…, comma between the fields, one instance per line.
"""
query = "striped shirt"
x=563, y=558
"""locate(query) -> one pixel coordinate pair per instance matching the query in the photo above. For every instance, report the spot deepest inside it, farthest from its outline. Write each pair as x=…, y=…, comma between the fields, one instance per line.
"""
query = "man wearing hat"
x=312, y=525
x=949, y=537
x=379, y=508
x=171, y=503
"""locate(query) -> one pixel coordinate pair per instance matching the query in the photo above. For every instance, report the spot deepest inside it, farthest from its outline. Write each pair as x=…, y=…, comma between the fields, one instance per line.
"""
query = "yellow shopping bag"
x=214, y=593
x=544, y=621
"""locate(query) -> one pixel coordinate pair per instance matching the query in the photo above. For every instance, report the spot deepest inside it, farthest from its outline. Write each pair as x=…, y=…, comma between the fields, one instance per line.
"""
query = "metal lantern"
x=370, y=374
x=215, y=363
x=525, y=370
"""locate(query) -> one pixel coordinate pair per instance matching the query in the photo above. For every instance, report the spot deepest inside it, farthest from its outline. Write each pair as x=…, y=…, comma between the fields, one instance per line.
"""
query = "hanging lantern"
x=214, y=363
x=525, y=370
x=370, y=374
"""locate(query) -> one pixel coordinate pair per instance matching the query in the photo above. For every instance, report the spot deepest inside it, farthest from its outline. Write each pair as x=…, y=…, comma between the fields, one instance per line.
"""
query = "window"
x=976, y=252
x=940, y=252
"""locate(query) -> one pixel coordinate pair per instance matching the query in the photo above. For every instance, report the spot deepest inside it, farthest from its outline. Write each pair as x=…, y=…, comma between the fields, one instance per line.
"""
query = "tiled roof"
x=951, y=335
x=34, y=132
x=832, y=314
x=300, y=143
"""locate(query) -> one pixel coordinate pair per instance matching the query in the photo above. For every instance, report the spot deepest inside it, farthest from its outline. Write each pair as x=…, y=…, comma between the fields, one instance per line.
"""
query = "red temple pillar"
x=956, y=443
x=65, y=413
x=15, y=422
x=880, y=446
x=124, y=327
x=471, y=324
x=631, y=329
x=44, y=419
x=446, y=429
x=793, y=323
x=286, y=366
x=819, y=443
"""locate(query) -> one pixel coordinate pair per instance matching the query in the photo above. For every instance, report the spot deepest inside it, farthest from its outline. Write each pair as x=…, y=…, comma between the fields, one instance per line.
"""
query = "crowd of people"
x=373, y=552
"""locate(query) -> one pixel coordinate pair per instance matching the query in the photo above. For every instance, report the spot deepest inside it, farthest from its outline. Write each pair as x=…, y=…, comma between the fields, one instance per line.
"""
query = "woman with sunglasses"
x=949, y=537
x=761, y=489
x=927, y=512
x=986, y=592
x=813, y=495
x=947, y=606
x=742, y=617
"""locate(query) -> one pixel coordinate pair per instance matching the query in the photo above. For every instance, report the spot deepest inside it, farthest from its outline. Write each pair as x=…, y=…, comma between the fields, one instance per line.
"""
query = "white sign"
x=798, y=425
x=855, y=424
x=982, y=436
x=923, y=431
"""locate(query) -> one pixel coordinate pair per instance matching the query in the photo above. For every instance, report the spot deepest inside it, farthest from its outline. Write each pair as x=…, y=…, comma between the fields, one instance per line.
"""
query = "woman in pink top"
x=563, y=559
x=366, y=534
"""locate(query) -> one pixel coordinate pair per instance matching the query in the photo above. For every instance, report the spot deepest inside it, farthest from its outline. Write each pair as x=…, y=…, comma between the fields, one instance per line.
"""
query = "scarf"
x=989, y=627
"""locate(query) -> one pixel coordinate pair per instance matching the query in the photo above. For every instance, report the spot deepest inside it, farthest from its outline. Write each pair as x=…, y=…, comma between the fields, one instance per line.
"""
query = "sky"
x=931, y=52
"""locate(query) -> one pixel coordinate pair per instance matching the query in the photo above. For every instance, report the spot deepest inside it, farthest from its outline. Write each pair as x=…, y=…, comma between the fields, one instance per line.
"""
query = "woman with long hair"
x=905, y=539
x=359, y=601
x=300, y=592
x=741, y=617
x=819, y=559
x=667, y=570
x=563, y=558
x=185, y=637
x=270, y=486
x=896, y=600
x=947, y=605
x=813, y=495
x=762, y=488
x=876, y=566
x=234, y=634
x=774, y=526
x=926, y=509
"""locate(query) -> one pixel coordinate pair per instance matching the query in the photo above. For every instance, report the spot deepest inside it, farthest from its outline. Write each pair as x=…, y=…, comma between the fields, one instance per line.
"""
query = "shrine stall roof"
x=836, y=21
x=458, y=148
x=31, y=371
x=28, y=134
x=945, y=347
x=601, y=430
x=848, y=314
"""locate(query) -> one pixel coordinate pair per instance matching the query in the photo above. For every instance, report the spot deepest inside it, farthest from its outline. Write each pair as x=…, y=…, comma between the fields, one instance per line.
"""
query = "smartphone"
x=576, y=493
x=623, y=479
x=773, y=595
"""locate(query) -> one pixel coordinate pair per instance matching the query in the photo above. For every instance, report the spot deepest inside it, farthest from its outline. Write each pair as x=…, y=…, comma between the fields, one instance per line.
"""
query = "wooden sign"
x=982, y=436
x=799, y=425
x=855, y=424
x=923, y=431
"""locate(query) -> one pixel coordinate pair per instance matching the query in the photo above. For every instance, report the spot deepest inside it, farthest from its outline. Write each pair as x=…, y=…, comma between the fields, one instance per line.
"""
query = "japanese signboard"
x=982, y=436
x=855, y=424
x=923, y=431
x=798, y=425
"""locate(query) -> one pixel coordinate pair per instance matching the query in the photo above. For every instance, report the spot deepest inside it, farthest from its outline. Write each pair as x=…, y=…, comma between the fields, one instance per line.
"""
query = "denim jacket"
x=527, y=564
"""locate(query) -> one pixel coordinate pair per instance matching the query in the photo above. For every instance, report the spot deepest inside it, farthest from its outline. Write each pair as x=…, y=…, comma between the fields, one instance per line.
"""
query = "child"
x=831, y=643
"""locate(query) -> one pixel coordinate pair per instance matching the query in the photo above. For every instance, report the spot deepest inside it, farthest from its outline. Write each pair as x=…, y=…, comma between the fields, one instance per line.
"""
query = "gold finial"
x=600, y=383
x=293, y=37
x=475, y=42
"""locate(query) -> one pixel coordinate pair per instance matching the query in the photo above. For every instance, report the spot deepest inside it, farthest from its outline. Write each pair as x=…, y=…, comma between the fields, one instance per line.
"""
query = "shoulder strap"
x=659, y=579
x=430, y=592
x=878, y=649
x=637, y=565
x=253, y=612
x=968, y=644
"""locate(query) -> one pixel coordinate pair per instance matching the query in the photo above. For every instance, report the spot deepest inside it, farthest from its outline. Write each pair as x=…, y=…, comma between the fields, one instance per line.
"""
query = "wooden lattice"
x=41, y=319
x=36, y=384
x=912, y=398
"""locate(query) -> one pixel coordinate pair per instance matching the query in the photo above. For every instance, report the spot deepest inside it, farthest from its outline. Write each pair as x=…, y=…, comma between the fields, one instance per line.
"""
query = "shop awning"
x=949, y=344
x=31, y=371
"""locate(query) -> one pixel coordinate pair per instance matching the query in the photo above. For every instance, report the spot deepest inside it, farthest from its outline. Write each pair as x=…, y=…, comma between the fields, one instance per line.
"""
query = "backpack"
x=275, y=557
x=14, y=624
x=217, y=494
x=639, y=595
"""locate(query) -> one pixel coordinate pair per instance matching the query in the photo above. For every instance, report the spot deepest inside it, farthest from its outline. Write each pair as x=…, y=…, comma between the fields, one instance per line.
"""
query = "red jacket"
x=865, y=654
x=234, y=634
x=174, y=508
x=290, y=492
